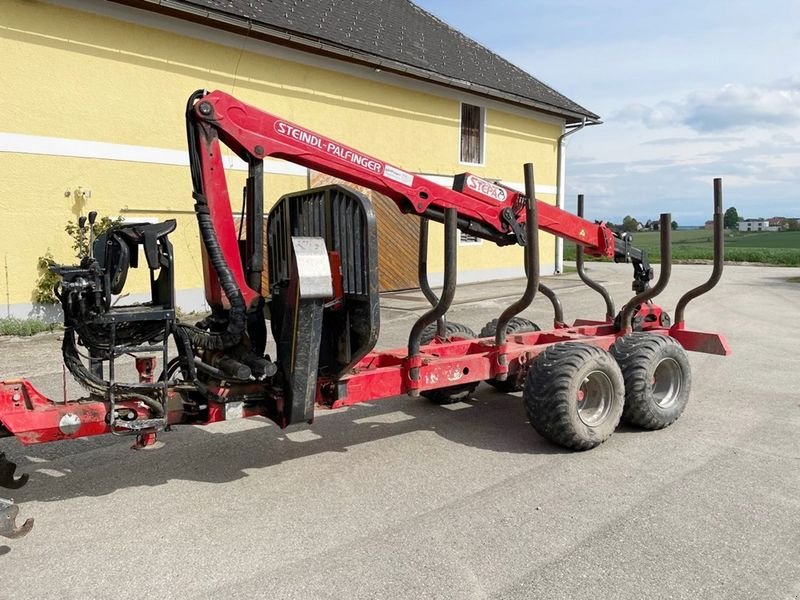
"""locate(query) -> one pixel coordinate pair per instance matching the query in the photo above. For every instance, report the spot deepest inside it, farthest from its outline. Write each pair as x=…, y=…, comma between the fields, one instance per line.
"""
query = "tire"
x=657, y=377
x=456, y=393
x=574, y=395
x=514, y=383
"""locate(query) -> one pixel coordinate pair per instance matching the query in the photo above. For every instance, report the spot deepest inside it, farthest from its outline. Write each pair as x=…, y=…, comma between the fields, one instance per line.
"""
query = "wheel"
x=657, y=378
x=515, y=325
x=574, y=394
x=453, y=332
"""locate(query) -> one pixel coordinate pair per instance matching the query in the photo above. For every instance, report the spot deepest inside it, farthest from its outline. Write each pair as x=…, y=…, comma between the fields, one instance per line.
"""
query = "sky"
x=687, y=90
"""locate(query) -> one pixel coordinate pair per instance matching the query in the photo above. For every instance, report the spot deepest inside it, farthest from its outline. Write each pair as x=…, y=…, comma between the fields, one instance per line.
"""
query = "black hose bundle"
x=237, y=317
x=100, y=387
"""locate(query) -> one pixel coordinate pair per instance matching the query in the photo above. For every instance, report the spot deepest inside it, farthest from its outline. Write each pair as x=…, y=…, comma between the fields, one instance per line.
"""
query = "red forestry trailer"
x=322, y=307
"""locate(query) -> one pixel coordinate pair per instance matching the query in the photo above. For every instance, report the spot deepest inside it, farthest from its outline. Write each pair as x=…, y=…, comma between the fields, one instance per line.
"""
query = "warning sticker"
x=398, y=175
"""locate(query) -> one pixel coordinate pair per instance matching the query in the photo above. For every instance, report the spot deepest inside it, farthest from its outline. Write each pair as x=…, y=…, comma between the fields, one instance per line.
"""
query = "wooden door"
x=398, y=237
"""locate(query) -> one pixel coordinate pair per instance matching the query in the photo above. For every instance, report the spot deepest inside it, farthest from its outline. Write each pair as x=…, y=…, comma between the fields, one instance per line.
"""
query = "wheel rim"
x=595, y=398
x=667, y=382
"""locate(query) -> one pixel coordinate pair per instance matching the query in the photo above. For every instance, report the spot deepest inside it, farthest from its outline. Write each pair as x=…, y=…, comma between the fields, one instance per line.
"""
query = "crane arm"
x=485, y=209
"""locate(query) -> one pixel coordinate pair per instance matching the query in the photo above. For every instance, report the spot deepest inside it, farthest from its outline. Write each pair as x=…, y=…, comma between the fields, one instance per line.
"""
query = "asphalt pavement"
x=406, y=499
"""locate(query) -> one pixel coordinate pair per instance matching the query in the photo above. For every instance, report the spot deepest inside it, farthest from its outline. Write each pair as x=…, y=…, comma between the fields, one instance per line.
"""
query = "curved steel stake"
x=531, y=260
x=8, y=518
x=7, y=469
x=626, y=316
x=422, y=274
x=449, y=284
x=579, y=264
x=719, y=257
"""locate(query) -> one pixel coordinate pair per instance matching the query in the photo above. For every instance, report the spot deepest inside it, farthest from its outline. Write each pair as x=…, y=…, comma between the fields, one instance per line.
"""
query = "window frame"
x=482, y=132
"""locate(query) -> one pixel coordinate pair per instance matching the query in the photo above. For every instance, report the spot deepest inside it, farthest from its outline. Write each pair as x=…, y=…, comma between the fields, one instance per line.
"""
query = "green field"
x=775, y=248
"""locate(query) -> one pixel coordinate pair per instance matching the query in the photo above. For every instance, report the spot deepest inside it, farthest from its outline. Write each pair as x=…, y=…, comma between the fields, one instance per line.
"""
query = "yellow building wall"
x=75, y=75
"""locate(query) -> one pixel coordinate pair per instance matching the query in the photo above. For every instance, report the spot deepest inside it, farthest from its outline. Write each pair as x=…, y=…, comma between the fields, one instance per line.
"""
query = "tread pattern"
x=638, y=354
x=551, y=390
x=449, y=395
x=515, y=325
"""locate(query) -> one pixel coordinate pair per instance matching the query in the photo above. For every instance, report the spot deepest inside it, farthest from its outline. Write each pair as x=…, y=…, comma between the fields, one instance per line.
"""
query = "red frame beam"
x=34, y=418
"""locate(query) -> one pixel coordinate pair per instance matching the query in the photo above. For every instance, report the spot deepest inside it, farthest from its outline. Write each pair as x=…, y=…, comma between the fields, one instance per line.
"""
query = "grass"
x=773, y=247
x=25, y=327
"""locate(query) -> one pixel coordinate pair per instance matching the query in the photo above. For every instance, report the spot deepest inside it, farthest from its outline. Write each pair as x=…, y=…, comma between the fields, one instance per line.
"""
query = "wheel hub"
x=667, y=382
x=595, y=398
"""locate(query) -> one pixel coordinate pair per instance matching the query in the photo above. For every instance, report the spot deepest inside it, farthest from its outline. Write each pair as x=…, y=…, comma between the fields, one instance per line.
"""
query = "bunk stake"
x=665, y=228
x=422, y=274
x=531, y=269
x=579, y=264
x=719, y=258
x=414, y=361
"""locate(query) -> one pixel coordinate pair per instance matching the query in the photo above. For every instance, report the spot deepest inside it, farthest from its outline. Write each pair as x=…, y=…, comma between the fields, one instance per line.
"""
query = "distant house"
x=709, y=225
x=756, y=225
x=779, y=223
x=650, y=226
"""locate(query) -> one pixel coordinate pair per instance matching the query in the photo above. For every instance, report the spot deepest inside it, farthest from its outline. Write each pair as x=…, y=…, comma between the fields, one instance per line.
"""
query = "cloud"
x=733, y=106
x=672, y=141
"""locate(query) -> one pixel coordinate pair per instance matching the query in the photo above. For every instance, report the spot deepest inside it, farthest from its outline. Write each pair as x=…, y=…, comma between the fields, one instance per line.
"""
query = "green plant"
x=43, y=289
x=14, y=326
x=46, y=282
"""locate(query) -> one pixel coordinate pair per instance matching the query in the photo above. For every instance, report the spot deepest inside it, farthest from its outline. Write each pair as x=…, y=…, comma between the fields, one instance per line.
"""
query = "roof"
x=395, y=35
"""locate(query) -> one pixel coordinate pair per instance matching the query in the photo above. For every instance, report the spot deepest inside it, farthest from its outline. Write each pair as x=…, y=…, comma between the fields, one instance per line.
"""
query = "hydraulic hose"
x=237, y=317
x=94, y=384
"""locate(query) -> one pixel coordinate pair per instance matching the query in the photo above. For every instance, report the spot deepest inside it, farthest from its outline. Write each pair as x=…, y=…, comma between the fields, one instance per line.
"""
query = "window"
x=471, y=134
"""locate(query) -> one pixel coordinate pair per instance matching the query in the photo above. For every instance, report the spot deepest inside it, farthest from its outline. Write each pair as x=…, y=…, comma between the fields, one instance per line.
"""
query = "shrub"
x=14, y=326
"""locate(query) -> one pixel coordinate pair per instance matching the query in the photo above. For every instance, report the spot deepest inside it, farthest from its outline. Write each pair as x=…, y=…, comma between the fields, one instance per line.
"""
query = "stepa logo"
x=486, y=189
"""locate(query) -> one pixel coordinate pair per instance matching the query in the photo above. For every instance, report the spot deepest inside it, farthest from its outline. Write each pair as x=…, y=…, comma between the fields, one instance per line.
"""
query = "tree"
x=731, y=218
x=793, y=224
x=674, y=225
x=630, y=224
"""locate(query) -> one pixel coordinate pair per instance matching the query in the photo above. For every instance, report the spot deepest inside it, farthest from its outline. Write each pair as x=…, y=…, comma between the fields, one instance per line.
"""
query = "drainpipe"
x=561, y=163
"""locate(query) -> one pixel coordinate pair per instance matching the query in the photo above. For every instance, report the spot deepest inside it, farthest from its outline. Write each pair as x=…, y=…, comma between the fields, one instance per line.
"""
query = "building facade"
x=94, y=94
x=756, y=225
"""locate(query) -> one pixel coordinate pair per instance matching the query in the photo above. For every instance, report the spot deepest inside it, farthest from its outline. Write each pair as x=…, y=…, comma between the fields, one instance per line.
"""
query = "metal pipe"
x=449, y=285
x=531, y=258
x=579, y=264
x=665, y=228
x=561, y=167
x=719, y=256
x=422, y=274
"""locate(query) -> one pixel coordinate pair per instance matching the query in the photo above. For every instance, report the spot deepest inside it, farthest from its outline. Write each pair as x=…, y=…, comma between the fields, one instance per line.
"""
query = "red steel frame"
x=33, y=418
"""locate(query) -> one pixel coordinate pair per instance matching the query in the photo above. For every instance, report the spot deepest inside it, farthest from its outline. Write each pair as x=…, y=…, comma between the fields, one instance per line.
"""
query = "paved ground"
x=403, y=499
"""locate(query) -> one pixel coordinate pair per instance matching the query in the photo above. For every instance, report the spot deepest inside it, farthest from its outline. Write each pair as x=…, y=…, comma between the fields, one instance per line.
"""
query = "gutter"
x=248, y=28
x=561, y=164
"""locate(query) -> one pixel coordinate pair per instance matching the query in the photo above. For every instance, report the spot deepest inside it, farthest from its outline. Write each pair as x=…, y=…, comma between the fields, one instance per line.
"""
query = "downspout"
x=561, y=163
